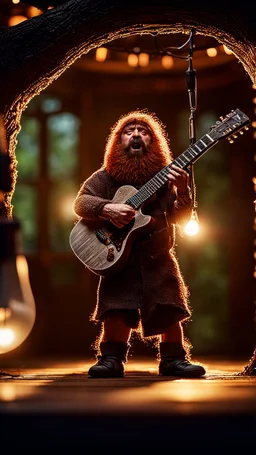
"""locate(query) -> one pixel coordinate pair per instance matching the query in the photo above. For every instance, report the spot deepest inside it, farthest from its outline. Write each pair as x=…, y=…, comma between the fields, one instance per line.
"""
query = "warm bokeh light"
x=143, y=59
x=7, y=392
x=66, y=209
x=133, y=60
x=227, y=50
x=32, y=11
x=101, y=54
x=15, y=20
x=211, y=52
x=5, y=313
x=254, y=124
x=15, y=2
x=167, y=62
x=6, y=337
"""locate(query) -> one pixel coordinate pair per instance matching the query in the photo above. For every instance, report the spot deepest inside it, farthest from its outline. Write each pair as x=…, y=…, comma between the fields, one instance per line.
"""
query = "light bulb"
x=17, y=305
x=192, y=227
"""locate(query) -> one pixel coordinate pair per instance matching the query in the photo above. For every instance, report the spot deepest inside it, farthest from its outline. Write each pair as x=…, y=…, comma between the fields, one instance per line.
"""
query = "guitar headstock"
x=227, y=127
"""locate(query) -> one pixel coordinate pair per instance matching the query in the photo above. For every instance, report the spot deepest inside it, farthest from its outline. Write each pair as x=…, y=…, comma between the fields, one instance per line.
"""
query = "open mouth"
x=136, y=146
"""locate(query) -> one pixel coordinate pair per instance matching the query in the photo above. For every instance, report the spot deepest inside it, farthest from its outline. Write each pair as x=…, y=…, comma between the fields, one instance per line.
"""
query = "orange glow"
x=32, y=11
x=211, y=52
x=133, y=60
x=167, y=62
x=101, y=54
x=66, y=208
x=227, y=50
x=7, y=392
x=5, y=313
x=15, y=20
x=143, y=59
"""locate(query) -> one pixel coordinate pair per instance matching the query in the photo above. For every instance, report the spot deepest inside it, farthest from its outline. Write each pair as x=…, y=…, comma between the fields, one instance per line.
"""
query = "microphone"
x=191, y=85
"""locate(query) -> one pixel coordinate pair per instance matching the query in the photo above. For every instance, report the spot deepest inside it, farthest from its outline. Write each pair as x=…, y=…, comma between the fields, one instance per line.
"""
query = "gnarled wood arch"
x=36, y=52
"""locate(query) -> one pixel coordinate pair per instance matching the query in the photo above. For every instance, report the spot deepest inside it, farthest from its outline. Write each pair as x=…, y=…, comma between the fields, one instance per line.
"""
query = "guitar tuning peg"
x=246, y=128
x=235, y=136
x=221, y=118
x=230, y=140
x=241, y=132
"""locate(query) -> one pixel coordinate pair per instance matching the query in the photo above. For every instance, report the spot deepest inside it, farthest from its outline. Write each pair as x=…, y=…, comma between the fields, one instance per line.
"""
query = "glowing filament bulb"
x=192, y=227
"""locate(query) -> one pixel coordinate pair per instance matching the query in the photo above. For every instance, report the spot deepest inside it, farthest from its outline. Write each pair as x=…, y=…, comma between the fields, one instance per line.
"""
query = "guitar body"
x=106, y=249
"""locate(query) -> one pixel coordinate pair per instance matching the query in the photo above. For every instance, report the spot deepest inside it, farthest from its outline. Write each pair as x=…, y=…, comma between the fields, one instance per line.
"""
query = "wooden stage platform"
x=52, y=404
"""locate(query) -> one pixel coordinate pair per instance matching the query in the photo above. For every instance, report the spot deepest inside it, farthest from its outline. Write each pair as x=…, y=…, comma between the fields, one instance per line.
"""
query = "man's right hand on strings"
x=118, y=214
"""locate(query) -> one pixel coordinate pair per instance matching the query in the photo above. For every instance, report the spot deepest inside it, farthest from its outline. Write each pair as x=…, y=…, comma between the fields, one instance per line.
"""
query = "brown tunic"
x=151, y=283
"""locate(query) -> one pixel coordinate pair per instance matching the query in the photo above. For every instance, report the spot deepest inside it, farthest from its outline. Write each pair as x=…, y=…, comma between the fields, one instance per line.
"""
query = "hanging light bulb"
x=17, y=305
x=192, y=226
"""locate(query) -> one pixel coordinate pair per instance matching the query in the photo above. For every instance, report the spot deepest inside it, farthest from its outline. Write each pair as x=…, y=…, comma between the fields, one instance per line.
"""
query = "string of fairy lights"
x=137, y=57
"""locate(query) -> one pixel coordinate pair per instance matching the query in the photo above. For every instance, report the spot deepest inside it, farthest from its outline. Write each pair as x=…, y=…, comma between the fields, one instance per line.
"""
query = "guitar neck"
x=190, y=156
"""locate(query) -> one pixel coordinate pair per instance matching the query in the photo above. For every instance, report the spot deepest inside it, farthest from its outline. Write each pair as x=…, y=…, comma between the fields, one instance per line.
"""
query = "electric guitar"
x=105, y=249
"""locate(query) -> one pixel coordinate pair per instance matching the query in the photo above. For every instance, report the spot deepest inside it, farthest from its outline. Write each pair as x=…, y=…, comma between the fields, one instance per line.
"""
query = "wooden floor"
x=53, y=404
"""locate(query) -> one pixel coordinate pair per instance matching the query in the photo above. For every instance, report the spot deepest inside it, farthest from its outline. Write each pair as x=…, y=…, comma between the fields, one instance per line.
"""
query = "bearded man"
x=149, y=291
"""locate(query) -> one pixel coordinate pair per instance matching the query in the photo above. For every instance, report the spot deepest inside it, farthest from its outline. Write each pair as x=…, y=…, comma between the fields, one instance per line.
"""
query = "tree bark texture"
x=36, y=52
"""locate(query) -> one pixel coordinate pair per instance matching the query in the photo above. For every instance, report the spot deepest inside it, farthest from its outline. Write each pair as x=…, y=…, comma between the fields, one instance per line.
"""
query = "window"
x=47, y=153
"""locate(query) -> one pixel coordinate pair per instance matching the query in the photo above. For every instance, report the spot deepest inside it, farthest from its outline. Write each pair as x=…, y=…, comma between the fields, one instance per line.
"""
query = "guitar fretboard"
x=191, y=154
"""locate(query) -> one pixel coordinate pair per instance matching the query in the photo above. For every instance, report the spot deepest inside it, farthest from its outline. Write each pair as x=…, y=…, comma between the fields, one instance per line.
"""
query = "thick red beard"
x=137, y=169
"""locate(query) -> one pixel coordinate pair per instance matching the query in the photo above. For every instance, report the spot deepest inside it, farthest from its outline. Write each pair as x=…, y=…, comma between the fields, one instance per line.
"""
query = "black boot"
x=174, y=363
x=110, y=362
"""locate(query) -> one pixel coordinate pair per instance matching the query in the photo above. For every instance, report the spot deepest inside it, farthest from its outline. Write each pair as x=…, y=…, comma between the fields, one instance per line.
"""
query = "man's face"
x=136, y=139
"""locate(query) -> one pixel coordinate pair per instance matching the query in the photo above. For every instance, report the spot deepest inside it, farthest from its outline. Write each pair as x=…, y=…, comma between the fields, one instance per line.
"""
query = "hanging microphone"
x=191, y=84
x=191, y=75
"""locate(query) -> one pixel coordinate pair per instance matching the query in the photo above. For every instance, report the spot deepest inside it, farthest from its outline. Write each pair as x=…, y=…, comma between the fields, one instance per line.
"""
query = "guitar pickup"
x=103, y=236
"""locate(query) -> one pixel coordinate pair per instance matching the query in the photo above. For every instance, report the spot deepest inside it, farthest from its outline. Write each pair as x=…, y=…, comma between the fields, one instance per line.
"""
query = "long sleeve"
x=92, y=196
